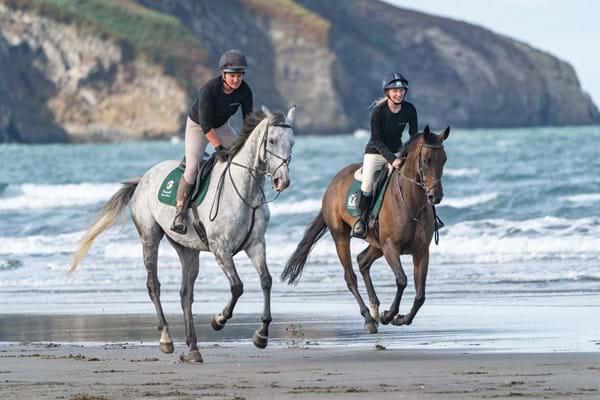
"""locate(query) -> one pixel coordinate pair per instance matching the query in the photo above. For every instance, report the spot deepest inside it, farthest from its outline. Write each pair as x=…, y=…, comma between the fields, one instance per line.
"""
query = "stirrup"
x=357, y=233
x=180, y=228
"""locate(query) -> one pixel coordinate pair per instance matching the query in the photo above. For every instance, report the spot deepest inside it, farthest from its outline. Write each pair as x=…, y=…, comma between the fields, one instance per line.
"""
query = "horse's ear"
x=445, y=134
x=267, y=112
x=291, y=115
x=427, y=133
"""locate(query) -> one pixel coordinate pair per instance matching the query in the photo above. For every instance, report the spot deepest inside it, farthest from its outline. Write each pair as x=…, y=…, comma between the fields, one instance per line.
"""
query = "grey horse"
x=237, y=222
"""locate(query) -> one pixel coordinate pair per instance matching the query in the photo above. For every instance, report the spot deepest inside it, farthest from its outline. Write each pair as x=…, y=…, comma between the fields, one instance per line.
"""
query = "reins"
x=437, y=222
x=214, y=210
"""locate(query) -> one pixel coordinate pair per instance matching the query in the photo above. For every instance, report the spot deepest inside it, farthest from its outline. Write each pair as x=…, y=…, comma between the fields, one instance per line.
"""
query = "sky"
x=568, y=29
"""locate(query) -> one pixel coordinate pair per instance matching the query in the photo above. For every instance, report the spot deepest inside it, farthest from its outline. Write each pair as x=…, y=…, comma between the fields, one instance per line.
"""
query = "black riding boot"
x=359, y=230
x=183, y=193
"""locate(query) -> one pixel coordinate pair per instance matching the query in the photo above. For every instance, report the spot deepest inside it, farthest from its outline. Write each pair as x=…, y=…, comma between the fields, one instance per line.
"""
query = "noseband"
x=421, y=182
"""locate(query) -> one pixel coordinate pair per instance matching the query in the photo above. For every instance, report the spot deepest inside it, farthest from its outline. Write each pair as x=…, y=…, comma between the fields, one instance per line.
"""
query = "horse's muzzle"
x=280, y=184
x=434, y=198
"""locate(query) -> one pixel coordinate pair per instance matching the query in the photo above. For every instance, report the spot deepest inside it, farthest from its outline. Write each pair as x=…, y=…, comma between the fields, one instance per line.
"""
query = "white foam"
x=361, y=133
x=39, y=244
x=298, y=207
x=33, y=196
x=502, y=241
x=468, y=201
x=461, y=172
x=583, y=198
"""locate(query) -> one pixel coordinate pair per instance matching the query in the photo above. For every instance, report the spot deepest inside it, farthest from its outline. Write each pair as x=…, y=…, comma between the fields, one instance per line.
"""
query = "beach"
x=512, y=299
x=126, y=370
x=117, y=356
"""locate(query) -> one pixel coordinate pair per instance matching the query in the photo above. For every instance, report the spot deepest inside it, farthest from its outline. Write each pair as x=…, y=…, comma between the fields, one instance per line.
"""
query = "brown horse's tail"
x=295, y=265
x=107, y=217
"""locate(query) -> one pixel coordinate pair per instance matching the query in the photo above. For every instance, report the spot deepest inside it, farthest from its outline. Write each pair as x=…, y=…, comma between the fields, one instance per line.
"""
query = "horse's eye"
x=272, y=141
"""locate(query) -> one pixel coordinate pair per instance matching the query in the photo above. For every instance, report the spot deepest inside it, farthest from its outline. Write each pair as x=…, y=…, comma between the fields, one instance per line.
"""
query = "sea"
x=517, y=267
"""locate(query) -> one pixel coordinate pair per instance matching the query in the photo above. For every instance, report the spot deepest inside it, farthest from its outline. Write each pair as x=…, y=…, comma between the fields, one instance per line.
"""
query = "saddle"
x=167, y=193
x=382, y=178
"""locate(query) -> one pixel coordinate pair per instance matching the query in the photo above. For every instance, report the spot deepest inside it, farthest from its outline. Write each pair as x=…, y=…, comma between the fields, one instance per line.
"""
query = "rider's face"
x=396, y=94
x=233, y=79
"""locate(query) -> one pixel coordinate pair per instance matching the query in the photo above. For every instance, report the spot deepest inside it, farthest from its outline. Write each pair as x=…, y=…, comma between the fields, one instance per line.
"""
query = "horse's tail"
x=107, y=217
x=295, y=265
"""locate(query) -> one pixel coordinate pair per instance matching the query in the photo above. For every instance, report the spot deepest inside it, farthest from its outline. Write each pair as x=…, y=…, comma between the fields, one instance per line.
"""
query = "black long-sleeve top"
x=387, y=128
x=212, y=108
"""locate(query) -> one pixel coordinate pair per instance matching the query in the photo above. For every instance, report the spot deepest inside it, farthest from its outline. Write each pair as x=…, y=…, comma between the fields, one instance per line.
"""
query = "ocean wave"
x=468, y=201
x=298, y=207
x=491, y=241
x=502, y=241
x=461, y=172
x=583, y=198
x=34, y=196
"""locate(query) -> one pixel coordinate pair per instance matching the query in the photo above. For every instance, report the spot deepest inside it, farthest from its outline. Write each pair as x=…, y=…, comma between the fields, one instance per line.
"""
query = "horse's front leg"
x=421, y=265
x=257, y=254
x=225, y=261
x=392, y=256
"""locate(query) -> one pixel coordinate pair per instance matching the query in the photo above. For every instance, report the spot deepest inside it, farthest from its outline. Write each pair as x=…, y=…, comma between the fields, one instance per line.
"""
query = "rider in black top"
x=387, y=128
x=388, y=120
x=212, y=108
x=208, y=122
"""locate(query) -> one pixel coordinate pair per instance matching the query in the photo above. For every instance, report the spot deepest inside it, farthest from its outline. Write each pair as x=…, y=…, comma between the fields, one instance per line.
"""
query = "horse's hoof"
x=216, y=325
x=259, y=340
x=371, y=327
x=192, y=357
x=167, y=348
x=400, y=320
x=386, y=317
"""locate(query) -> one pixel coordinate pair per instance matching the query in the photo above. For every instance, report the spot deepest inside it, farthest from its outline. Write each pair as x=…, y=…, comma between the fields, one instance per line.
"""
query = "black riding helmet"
x=394, y=80
x=233, y=61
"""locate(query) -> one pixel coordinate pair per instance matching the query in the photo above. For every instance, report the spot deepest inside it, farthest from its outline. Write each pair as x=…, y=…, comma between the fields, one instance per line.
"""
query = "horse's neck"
x=249, y=156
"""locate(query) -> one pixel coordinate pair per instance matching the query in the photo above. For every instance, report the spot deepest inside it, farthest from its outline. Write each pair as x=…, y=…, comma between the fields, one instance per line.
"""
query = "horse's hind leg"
x=256, y=253
x=365, y=260
x=189, y=268
x=225, y=261
x=421, y=265
x=342, y=245
x=150, y=236
x=392, y=256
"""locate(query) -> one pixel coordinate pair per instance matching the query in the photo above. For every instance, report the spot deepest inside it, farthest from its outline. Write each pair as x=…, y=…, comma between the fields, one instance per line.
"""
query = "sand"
x=133, y=371
x=117, y=357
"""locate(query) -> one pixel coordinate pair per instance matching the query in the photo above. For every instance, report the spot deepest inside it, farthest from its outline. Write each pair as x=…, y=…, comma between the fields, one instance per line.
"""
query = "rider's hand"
x=397, y=163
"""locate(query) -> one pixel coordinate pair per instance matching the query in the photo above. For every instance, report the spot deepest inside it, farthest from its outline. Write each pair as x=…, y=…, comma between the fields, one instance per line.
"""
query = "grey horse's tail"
x=295, y=265
x=107, y=217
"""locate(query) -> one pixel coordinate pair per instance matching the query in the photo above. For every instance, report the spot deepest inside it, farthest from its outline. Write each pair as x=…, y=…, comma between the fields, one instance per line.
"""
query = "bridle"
x=253, y=173
x=421, y=181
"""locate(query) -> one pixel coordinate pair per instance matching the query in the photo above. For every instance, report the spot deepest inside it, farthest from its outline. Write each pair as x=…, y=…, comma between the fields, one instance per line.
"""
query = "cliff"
x=91, y=70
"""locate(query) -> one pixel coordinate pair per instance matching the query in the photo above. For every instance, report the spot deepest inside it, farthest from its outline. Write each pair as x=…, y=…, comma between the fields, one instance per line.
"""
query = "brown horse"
x=406, y=225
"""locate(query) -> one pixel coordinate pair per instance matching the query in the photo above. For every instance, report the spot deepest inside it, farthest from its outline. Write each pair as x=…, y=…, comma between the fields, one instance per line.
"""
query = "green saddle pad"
x=352, y=197
x=167, y=193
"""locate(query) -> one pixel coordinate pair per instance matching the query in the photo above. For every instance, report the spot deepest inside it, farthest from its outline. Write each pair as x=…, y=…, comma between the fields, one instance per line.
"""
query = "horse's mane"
x=250, y=123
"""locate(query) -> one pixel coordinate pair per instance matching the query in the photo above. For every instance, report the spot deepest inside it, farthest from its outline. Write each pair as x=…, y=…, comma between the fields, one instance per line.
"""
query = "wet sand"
x=120, y=370
x=117, y=357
